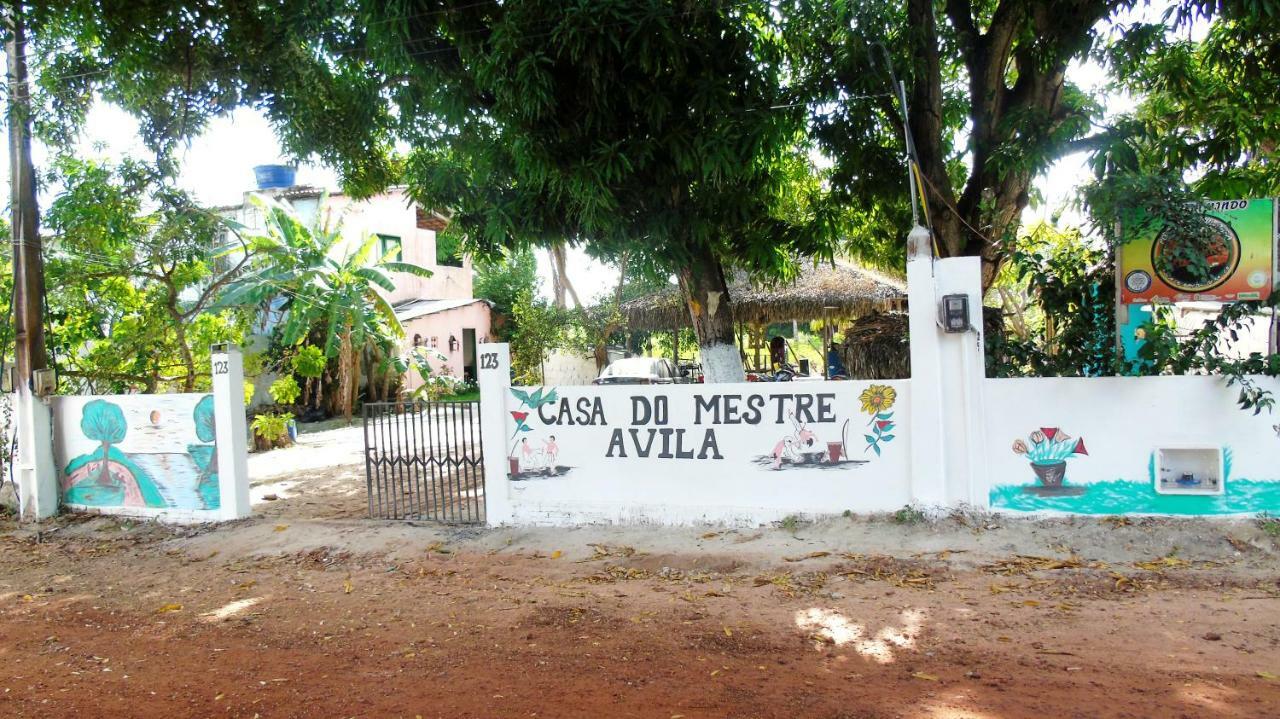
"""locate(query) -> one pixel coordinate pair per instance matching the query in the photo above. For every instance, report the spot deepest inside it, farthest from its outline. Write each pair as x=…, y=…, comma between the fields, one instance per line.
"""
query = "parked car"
x=639, y=370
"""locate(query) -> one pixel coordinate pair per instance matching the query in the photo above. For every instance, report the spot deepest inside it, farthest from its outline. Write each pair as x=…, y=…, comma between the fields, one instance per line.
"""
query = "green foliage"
x=103, y=421
x=448, y=249
x=1059, y=302
x=130, y=278
x=908, y=515
x=308, y=361
x=1269, y=524
x=1206, y=99
x=249, y=392
x=538, y=328
x=285, y=390
x=322, y=286
x=271, y=427
x=668, y=131
x=502, y=282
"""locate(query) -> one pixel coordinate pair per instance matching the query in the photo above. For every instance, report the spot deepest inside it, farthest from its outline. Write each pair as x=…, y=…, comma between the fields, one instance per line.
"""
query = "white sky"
x=218, y=166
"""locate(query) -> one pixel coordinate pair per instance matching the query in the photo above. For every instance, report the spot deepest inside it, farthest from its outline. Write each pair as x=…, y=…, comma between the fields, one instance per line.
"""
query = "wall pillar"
x=495, y=380
x=948, y=461
x=963, y=362
x=36, y=476
x=231, y=432
x=928, y=475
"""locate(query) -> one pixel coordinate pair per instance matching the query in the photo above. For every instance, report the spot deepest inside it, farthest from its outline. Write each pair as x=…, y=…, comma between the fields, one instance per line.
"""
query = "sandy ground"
x=308, y=609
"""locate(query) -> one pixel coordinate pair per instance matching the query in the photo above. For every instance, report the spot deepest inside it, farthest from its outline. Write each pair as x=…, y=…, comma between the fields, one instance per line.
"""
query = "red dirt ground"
x=108, y=625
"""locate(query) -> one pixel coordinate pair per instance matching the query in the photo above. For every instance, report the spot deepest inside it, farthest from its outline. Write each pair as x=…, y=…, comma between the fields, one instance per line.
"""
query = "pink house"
x=438, y=312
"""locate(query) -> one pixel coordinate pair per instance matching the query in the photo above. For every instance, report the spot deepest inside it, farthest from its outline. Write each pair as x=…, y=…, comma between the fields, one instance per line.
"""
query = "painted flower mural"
x=1048, y=452
x=877, y=401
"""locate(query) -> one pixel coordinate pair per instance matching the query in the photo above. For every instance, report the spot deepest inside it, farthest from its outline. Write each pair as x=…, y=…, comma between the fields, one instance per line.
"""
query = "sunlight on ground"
x=227, y=611
x=1210, y=697
x=935, y=711
x=830, y=626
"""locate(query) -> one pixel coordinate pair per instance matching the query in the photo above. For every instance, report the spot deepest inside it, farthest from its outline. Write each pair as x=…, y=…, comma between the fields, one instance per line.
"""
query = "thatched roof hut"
x=842, y=290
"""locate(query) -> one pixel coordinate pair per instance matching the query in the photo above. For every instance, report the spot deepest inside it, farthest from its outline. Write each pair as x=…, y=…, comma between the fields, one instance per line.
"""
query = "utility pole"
x=28, y=264
x=34, y=473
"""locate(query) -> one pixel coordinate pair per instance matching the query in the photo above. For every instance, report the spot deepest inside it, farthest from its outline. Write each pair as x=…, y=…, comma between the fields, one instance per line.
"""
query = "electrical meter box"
x=1189, y=470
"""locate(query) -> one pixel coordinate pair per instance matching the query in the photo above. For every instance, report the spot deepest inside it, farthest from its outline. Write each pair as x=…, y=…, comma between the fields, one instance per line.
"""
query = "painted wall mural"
x=792, y=445
x=877, y=401
x=1157, y=445
x=1048, y=452
x=538, y=459
x=153, y=451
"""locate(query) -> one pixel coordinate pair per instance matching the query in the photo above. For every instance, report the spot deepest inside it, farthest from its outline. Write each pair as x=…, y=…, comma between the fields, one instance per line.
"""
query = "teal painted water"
x=1242, y=496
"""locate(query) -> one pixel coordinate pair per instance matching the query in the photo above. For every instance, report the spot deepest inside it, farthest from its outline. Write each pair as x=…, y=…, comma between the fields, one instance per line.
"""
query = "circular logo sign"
x=1257, y=279
x=1137, y=281
x=1196, y=264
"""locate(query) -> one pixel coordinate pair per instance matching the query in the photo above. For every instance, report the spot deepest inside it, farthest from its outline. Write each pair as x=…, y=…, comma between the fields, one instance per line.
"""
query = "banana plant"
x=305, y=272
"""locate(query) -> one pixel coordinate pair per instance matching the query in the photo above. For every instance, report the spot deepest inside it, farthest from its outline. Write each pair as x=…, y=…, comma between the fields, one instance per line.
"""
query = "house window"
x=389, y=244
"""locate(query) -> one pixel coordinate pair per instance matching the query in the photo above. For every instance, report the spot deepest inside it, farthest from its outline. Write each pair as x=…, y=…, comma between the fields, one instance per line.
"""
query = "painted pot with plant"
x=1048, y=450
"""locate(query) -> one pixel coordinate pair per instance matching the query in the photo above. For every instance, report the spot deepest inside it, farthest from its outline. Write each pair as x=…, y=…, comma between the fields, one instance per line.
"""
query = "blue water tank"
x=271, y=177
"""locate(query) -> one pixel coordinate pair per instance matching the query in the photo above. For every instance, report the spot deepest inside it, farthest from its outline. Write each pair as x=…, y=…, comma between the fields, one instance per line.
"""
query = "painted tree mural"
x=107, y=476
x=206, y=455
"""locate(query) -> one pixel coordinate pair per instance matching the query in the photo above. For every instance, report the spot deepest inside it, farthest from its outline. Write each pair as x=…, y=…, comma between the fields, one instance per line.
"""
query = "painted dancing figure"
x=550, y=453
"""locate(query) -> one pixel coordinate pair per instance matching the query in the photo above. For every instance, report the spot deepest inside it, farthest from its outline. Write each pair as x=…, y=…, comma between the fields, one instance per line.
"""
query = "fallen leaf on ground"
x=171, y=607
x=1268, y=676
x=347, y=586
x=926, y=677
x=810, y=555
x=557, y=554
x=281, y=527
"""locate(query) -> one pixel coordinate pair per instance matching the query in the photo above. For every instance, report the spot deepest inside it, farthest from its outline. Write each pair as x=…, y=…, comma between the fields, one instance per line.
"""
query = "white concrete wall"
x=954, y=432
x=1122, y=421
x=562, y=368
x=576, y=458
x=175, y=457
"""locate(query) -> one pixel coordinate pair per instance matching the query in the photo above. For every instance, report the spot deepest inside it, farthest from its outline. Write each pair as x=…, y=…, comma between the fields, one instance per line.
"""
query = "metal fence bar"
x=423, y=460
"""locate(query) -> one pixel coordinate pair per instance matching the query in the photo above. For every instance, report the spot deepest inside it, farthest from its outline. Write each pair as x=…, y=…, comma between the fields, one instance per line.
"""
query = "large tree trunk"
x=705, y=291
x=1016, y=55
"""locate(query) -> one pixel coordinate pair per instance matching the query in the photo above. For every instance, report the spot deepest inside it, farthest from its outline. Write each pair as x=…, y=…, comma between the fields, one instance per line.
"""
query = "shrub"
x=271, y=430
x=308, y=362
x=285, y=390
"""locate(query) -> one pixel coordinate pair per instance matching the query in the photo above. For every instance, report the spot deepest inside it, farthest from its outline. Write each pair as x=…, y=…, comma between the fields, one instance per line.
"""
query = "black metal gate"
x=423, y=460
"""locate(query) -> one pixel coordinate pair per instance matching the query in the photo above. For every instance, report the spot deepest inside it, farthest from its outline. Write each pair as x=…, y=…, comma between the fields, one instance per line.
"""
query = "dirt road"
x=283, y=616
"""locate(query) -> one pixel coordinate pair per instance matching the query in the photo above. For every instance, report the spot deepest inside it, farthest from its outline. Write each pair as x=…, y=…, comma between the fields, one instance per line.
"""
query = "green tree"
x=663, y=129
x=538, y=328
x=1057, y=291
x=1207, y=105
x=102, y=421
x=132, y=279
x=502, y=281
x=989, y=106
x=308, y=362
x=321, y=281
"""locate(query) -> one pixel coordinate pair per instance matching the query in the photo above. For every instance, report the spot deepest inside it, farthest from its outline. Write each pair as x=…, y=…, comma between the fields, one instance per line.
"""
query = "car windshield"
x=631, y=367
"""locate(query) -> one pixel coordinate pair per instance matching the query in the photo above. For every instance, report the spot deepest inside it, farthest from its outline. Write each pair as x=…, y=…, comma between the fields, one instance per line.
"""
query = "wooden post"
x=28, y=264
